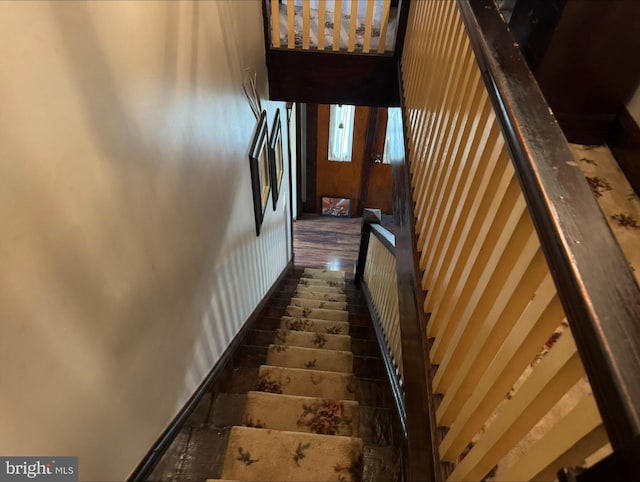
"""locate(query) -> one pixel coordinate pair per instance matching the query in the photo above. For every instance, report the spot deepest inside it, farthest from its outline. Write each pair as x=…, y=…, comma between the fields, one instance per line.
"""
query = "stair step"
x=301, y=414
x=302, y=420
x=345, y=288
x=321, y=293
x=271, y=455
x=317, y=313
x=308, y=383
x=308, y=339
x=324, y=282
x=297, y=323
x=310, y=303
x=323, y=273
x=311, y=358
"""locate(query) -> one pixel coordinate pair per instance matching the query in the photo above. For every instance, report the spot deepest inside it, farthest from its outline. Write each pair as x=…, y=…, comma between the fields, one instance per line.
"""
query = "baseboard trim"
x=147, y=464
x=624, y=141
x=396, y=389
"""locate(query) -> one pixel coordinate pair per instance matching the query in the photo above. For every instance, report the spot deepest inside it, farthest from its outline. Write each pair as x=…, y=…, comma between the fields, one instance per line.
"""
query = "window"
x=341, y=119
x=393, y=140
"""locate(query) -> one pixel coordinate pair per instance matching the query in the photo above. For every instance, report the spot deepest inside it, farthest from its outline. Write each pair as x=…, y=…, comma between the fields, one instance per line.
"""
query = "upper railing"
x=362, y=26
x=334, y=51
x=524, y=288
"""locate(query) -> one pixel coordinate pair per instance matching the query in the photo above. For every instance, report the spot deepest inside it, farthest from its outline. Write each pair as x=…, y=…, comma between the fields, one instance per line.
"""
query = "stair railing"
x=384, y=275
x=523, y=289
x=376, y=273
x=361, y=26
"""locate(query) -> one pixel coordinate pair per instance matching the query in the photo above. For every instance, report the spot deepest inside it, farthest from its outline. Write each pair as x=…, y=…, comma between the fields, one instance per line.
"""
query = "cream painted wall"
x=634, y=105
x=128, y=250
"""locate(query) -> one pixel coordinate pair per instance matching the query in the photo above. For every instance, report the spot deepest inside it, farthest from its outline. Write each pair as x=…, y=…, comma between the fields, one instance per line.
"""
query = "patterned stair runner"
x=301, y=423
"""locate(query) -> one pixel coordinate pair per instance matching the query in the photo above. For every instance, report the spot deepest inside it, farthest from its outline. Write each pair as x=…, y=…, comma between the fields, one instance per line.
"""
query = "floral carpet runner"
x=301, y=422
x=617, y=199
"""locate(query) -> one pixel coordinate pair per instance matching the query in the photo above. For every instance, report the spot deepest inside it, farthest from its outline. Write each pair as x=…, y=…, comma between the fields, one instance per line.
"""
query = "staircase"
x=307, y=399
x=299, y=422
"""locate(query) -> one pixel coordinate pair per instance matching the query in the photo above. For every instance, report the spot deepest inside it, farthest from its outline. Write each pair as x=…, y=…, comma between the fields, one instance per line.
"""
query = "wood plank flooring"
x=326, y=242
x=329, y=242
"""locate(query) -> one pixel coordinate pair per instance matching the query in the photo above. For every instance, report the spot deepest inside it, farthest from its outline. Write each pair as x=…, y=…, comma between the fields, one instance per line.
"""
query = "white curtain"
x=341, y=120
x=394, y=139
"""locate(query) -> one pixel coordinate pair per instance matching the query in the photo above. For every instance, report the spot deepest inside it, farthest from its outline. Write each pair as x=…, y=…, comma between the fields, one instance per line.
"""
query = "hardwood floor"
x=326, y=242
x=329, y=242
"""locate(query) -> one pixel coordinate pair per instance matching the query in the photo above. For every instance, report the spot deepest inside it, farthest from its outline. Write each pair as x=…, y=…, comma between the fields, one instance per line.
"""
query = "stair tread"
x=321, y=291
x=298, y=323
x=315, y=303
x=297, y=413
x=310, y=283
x=317, y=313
x=310, y=383
x=311, y=358
x=334, y=283
x=310, y=339
x=273, y=455
x=320, y=296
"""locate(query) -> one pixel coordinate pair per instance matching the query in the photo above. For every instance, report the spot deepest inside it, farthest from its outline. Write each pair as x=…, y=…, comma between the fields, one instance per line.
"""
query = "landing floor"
x=326, y=242
x=329, y=242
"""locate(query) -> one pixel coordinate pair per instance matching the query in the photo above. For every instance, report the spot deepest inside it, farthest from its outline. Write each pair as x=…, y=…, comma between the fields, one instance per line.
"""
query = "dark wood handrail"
x=422, y=461
x=598, y=291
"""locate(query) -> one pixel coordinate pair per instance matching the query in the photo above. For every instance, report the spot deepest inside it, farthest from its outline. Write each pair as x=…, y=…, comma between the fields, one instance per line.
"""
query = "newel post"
x=369, y=217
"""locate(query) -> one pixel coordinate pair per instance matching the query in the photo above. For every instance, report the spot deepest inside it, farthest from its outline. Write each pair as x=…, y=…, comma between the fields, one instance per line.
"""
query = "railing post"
x=401, y=31
x=369, y=217
x=266, y=25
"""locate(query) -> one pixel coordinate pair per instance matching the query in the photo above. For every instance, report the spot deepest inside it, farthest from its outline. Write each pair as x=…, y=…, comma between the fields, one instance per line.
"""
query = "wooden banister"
x=596, y=286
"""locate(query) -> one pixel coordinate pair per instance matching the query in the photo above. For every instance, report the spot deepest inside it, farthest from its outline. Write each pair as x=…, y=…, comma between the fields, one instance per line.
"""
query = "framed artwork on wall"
x=260, y=171
x=336, y=206
x=276, y=162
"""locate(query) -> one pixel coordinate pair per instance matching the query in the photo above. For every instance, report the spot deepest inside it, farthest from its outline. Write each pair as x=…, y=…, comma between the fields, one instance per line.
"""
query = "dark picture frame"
x=336, y=206
x=260, y=170
x=276, y=161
